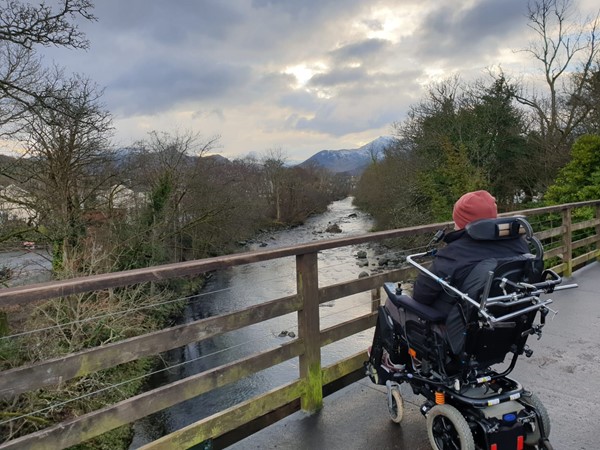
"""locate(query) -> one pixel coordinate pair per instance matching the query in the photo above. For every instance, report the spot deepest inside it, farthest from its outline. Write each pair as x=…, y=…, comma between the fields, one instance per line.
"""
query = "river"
x=242, y=286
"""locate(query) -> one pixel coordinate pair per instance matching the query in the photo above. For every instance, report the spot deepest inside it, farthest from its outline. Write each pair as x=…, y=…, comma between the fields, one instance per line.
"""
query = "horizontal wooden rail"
x=546, y=234
x=585, y=224
x=340, y=290
x=42, y=291
x=227, y=420
x=59, y=370
x=98, y=422
x=348, y=328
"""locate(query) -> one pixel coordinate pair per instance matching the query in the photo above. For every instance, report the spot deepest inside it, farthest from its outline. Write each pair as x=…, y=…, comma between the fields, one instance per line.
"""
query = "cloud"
x=151, y=87
x=455, y=34
x=166, y=22
x=361, y=106
x=340, y=76
x=362, y=51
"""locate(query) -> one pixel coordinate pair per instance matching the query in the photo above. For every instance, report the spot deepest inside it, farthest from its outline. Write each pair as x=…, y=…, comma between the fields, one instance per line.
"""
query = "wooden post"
x=309, y=330
x=375, y=299
x=567, y=243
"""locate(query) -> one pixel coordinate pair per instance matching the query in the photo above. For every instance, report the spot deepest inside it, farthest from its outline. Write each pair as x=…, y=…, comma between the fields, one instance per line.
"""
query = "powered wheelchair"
x=448, y=357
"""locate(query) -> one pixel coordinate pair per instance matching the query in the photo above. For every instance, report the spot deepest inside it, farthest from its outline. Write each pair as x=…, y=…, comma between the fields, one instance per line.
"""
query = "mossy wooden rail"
x=306, y=391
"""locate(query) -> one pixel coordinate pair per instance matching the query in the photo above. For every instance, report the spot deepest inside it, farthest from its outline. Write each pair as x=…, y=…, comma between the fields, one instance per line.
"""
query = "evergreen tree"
x=579, y=180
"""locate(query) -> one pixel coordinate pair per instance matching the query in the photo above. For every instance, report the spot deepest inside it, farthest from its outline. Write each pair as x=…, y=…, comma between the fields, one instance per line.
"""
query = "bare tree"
x=28, y=25
x=67, y=153
x=275, y=176
x=566, y=47
x=23, y=27
x=166, y=167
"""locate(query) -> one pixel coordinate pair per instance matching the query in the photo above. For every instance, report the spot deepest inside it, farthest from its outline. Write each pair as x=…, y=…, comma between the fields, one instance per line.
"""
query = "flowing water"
x=251, y=284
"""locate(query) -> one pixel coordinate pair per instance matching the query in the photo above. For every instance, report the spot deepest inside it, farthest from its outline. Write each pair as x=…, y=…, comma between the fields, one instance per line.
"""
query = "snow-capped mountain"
x=353, y=161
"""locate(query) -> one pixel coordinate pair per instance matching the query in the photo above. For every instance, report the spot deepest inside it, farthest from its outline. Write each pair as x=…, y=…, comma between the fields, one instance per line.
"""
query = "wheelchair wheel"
x=396, y=406
x=534, y=401
x=448, y=429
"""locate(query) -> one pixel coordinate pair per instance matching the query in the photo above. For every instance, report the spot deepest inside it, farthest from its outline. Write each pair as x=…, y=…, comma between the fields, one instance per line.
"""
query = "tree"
x=28, y=25
x=579, y=180
x=390, y=191
x=165, y=168
x=460, y=137
x=452, y=179
x=66, y=162
x=23, y=27
x=275, y=177
x=591, y=97
x=475, y=130
x=566, y=48
x=499, y=148
x=22, y=80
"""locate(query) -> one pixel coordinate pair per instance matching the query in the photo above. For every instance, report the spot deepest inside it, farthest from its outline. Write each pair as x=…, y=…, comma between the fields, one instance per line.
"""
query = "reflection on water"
x=242, y=286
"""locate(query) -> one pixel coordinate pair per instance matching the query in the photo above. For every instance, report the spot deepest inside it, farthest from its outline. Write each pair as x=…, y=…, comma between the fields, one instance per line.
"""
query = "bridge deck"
x=564, y=371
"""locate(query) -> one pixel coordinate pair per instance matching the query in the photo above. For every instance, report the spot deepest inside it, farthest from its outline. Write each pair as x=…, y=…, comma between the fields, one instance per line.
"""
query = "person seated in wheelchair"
x=462, y=253
x=484, y=257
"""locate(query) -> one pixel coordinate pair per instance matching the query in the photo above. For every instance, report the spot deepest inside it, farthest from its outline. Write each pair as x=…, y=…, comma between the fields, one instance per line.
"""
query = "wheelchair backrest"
x=527, y=267
x=484, y=345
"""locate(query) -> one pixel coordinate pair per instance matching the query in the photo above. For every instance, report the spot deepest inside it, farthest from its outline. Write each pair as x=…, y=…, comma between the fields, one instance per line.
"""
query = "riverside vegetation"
x=173, y=207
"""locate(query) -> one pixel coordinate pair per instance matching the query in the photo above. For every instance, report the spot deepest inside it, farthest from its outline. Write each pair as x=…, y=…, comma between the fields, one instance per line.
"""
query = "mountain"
x=353, y=161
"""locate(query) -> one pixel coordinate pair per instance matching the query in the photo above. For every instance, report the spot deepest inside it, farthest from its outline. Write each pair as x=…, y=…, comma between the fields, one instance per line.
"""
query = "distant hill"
x=353, y=161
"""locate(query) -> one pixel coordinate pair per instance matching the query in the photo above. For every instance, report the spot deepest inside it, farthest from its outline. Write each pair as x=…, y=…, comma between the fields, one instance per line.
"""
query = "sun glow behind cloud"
x=389, y=24
x=302, y=73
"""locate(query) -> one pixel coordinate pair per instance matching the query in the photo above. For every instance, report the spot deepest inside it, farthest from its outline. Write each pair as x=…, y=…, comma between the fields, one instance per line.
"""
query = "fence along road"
x=569, y=244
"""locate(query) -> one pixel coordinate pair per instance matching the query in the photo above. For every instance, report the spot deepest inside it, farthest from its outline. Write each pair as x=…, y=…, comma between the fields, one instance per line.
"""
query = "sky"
x=296, y=76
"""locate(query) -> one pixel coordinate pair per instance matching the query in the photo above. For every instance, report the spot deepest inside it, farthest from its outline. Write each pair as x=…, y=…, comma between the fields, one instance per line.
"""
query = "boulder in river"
x=333, y=228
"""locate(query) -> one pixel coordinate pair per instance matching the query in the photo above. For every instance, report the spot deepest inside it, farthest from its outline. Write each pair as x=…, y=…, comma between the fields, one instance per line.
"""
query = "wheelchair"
x=448, y=357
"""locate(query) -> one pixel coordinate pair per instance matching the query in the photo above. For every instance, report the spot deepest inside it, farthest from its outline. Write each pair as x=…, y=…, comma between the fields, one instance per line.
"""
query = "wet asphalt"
x=564, y=372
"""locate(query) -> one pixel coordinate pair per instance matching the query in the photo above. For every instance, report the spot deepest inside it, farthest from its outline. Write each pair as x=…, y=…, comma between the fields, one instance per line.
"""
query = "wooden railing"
x=563, y=235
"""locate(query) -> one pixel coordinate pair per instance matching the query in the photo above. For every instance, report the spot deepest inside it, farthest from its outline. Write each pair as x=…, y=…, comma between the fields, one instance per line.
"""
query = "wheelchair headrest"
x=500, y=228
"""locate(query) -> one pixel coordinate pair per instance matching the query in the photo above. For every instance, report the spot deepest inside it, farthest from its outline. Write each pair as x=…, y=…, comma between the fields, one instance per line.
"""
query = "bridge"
x=322, y=404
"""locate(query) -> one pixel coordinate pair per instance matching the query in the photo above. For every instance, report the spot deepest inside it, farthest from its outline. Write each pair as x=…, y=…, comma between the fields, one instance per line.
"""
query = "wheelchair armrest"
x=404, y=301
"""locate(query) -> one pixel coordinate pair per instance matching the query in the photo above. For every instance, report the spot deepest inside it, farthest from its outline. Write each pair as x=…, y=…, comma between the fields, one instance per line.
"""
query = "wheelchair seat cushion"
x=408, y=303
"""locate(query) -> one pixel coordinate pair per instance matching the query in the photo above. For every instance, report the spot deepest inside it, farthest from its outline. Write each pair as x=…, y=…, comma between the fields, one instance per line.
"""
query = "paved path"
x=564, y=371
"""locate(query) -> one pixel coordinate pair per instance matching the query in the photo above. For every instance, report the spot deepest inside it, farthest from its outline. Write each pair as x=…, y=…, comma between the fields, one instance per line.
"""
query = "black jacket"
x=454, y=262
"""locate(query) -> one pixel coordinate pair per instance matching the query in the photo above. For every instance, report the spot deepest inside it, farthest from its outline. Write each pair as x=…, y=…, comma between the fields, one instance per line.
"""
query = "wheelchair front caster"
x=395, y=404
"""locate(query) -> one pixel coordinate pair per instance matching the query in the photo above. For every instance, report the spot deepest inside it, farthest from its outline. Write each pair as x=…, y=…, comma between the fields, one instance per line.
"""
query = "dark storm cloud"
x=151, y=87
x=450, y=32
x=377, y=102
x=328, y=121
x=360, y=51
x=146, y=44
x=339, y=76
x=308, y=9
x=167, y=21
